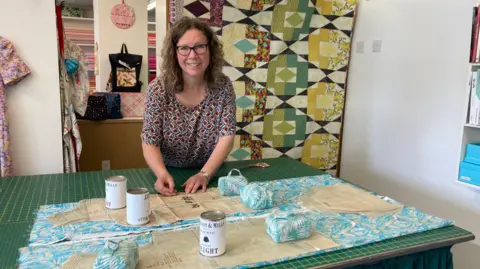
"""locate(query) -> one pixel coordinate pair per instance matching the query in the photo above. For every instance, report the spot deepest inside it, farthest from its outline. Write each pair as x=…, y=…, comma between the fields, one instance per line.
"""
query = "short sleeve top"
x=12, y=68
x=188, y=136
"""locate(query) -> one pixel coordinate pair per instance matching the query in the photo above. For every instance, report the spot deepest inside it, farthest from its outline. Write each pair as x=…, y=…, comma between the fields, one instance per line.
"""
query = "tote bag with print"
x=125, y=71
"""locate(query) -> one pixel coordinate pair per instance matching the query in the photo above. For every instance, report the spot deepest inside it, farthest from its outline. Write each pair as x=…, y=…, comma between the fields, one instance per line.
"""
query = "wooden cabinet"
x=117, y=141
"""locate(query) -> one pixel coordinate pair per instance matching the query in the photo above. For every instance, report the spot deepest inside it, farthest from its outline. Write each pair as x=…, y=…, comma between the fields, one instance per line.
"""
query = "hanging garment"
x=78, y=82
x=12, y=71
x=71, y=88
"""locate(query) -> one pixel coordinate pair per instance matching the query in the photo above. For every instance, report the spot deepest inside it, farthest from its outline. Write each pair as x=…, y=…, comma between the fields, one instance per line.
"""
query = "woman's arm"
x=226, y=129
x=226, y=134
x=154, y=159
x=152, y=137
x=152, y=128
x=219, y=155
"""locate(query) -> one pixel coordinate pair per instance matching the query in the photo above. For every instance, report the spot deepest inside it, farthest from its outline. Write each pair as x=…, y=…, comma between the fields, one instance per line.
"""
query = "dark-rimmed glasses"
x=185, y=50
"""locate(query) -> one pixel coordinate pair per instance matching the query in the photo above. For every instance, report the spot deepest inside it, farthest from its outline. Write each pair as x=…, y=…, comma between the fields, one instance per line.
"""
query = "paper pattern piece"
x=345, y=198
x=346, y=230
x=43, y=232
x=95, y=210
x=246, y=244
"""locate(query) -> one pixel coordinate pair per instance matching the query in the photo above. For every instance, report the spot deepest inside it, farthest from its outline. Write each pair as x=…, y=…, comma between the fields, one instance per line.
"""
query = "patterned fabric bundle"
x=256, y=196
x=283, y=227
x=231, y=184
x=121, y=255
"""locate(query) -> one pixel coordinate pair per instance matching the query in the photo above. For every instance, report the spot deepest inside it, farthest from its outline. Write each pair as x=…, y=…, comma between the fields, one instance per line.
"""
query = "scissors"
x=262, y=165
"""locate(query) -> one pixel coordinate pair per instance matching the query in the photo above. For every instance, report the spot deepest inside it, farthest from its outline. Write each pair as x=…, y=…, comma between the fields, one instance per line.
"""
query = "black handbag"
x=97, y=108
x=125, y=71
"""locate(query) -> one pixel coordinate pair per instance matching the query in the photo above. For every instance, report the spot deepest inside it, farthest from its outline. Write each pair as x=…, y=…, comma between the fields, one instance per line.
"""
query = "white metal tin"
x=115, y=192
x=138, y=206
x=213, y=233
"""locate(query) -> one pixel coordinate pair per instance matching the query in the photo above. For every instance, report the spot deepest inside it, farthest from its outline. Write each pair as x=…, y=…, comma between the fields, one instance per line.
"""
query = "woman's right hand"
x=164, y=184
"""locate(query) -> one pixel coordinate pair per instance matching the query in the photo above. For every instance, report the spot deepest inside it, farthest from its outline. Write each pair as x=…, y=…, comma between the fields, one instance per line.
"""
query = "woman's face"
x=193, y=54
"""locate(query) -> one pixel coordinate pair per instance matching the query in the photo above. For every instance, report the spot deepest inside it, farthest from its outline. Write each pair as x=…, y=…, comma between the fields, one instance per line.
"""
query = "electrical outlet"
x=106, y=165
x=377, y=46
x=360, y=46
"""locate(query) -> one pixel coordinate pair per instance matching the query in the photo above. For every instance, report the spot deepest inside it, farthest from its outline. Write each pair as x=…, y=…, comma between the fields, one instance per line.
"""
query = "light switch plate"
x=106, y=165
x=377, y=45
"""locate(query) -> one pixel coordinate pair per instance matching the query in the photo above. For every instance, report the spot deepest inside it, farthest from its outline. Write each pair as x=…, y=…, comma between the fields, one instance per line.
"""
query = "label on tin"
x=212, y=237
x=138, y=207
x=115, y=193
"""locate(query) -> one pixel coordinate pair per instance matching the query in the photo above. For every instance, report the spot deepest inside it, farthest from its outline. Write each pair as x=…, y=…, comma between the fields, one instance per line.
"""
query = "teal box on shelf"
x=469, y=173
x=472, y=153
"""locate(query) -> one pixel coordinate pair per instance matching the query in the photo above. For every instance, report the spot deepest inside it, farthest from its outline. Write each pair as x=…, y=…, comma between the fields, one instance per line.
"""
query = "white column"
x=34, y=103
x=110, y=38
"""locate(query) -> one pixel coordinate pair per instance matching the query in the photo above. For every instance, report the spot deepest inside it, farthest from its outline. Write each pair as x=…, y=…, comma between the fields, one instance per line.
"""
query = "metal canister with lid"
x=115, y=192
x=138, y=206
x=213, y=233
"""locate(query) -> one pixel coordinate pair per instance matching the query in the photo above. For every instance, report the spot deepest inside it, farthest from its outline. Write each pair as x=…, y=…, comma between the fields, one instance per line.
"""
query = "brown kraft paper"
x=345, y=198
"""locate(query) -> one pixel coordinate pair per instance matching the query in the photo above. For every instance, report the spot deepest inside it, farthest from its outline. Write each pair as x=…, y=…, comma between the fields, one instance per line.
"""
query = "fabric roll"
x=256, y=196
x=230, y=185
x=284, y=227
x=118, y=255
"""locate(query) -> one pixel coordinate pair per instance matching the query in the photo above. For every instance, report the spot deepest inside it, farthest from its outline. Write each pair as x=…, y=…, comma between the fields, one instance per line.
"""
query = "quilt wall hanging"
x=288, y=63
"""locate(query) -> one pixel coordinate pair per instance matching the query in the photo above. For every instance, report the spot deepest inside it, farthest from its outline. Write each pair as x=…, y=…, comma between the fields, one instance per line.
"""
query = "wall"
x=34, y=104
x=405, y=109
x=110, y=38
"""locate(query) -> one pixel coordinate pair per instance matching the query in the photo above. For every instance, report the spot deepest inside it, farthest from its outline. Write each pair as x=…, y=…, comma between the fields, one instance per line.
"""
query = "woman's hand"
x=164, y=184
x=194, y=182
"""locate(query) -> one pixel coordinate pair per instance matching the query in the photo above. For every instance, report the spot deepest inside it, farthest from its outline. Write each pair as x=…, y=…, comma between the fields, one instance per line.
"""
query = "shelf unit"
x=79, y=28
x=470, y=132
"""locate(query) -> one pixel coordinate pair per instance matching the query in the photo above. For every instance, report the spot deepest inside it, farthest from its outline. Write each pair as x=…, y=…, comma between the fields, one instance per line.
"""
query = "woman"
x=190, y=114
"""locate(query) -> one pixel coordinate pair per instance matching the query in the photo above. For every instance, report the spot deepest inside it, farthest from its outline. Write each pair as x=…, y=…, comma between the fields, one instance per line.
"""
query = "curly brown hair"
x=171, y=72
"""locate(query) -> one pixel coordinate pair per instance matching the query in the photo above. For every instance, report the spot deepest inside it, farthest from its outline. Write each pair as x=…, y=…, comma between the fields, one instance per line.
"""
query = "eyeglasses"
x=185, y=50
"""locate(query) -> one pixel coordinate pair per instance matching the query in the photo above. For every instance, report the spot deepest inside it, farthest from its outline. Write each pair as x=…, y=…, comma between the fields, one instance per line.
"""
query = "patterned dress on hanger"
x=12, y=71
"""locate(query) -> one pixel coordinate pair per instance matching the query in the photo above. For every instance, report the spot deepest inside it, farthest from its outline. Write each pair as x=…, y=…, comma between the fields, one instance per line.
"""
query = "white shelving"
x=470, y=132
x=83, y=32
x=469, y=185
x=78, y=19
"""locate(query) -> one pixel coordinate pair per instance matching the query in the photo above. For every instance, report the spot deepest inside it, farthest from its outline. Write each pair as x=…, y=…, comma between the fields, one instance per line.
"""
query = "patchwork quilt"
x=288, y=61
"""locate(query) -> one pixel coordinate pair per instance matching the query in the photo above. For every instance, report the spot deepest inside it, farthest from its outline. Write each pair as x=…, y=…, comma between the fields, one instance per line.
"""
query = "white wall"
x=404, y=109
x=34, y=104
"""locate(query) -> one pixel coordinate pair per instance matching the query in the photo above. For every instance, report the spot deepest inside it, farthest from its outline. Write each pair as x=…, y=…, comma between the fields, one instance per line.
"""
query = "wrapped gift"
x=118, y=255
x=133, y=104
x=284, y=227
x=230, y=184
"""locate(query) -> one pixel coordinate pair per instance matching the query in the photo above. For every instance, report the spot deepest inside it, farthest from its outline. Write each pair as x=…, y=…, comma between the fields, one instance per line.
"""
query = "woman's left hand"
x=194, y=182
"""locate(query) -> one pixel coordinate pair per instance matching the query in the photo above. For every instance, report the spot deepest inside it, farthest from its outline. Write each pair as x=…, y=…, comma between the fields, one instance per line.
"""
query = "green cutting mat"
x=20, y=197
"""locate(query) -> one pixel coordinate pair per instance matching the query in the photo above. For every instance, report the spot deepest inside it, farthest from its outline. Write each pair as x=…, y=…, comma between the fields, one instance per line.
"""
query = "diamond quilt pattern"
x=288, y=61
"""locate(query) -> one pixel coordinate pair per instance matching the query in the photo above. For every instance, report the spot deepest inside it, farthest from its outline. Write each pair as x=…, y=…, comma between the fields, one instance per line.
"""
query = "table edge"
x=396, y=253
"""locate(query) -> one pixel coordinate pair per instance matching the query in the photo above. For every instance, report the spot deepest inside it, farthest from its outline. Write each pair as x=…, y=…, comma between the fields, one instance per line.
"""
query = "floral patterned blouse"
x=187, y=136
x=12, y=71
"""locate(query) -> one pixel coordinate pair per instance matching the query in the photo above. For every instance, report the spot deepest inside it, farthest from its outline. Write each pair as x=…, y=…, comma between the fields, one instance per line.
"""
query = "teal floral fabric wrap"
x=118, y=255
x=257, y=196
x=230, y=185
x=284, y=227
